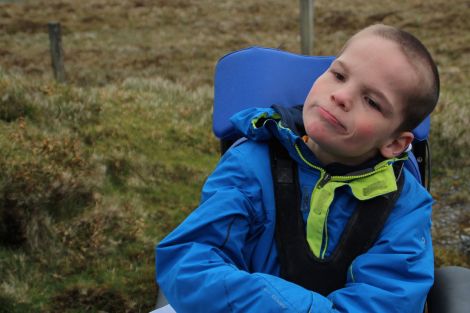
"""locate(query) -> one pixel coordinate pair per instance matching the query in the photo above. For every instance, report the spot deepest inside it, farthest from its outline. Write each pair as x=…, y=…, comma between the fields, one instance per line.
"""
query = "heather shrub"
x=47, y=173
x=13, y=101
x=43, y=177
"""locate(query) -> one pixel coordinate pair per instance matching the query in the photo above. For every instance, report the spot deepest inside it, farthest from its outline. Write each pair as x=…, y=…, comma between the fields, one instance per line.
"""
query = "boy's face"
x=353, y=110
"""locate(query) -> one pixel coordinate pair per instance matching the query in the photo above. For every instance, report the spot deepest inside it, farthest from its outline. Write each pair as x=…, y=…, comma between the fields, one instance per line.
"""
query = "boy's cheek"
x=314, y=129
x=318, y=134
x=366, y=130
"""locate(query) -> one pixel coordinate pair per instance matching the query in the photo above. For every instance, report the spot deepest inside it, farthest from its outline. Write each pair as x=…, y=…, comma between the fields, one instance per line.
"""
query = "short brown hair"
x=422, y=102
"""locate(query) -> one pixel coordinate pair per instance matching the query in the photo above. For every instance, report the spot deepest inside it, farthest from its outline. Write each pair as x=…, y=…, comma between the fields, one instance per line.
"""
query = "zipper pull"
x=324, y=180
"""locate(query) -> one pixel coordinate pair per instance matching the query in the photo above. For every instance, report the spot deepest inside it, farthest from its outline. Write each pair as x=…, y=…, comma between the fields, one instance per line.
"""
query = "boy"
x=348, y=142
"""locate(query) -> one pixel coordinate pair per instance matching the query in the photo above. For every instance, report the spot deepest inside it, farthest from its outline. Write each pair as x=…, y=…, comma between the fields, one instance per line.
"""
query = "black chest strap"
x=298, y=264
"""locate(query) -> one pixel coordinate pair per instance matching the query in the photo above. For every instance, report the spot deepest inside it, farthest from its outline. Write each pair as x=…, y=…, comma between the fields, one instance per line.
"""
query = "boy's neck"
x=328, y=159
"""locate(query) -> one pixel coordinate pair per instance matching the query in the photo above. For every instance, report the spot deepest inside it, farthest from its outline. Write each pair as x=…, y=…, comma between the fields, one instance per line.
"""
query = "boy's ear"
x=396, y=146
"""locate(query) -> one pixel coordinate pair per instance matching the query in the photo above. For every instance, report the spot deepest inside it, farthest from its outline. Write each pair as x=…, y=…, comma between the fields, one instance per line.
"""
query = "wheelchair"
x=261, y=77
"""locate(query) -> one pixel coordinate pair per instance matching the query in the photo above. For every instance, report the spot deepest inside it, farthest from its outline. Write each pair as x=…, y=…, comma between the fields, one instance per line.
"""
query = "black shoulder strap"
x=290, y=233
x=297, y=262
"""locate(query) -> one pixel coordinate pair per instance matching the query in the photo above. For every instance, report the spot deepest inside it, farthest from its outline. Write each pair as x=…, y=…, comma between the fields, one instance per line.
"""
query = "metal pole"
x=57, y=55
x=306, y=26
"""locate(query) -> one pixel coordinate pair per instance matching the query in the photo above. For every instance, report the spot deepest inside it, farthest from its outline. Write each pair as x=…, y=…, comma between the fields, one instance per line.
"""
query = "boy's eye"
x=373, y=104
x=338, y=76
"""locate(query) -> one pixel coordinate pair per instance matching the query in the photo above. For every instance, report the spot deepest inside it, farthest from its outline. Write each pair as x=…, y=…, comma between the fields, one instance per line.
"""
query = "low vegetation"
x=97, y=170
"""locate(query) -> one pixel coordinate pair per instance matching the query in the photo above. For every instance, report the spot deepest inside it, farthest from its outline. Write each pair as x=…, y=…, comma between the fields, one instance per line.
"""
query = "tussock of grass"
x=450, y=142
x=447, y=257
x=45, y=170
x=83, y=298
x=13, y=102
x=9, y=305
x=92, y=180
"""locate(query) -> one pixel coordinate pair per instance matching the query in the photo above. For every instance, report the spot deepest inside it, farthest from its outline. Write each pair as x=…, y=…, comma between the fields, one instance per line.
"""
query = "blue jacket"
x=223, y=257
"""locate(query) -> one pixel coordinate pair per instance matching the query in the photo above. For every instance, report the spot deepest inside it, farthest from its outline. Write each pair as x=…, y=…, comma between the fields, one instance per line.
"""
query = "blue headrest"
x=261, y=77
x=422, y=131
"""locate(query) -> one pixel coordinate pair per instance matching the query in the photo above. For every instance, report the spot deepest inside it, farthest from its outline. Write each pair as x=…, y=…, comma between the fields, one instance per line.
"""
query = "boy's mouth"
x=331, y=119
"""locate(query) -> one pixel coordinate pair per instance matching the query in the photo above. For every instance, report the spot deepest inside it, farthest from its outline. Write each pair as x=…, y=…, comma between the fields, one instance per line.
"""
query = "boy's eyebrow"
x=341, y=63
x=384, y=103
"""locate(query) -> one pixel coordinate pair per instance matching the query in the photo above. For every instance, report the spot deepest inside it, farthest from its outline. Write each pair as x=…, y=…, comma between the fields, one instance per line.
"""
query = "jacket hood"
x=282, y=124
x=291, y=118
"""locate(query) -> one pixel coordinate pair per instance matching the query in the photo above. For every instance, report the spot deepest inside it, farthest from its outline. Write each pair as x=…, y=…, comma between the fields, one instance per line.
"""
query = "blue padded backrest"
x=261, y=77
x=422, y=131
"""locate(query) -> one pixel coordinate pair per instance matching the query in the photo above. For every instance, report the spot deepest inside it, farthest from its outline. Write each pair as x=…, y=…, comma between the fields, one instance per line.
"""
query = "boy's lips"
x=330, y=118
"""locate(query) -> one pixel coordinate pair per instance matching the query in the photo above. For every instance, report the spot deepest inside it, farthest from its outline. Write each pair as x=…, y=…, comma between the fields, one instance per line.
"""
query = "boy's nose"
x=341, y=98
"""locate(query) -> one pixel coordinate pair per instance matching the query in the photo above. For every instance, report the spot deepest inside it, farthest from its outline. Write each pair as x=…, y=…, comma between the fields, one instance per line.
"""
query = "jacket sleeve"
x=201, y=266
x=396, y=274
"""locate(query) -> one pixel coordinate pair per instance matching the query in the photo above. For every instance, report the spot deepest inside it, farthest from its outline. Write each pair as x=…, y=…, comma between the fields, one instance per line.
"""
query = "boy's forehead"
x=365, y=33
x=368, y=36
x=367, y=48
x=385, y=64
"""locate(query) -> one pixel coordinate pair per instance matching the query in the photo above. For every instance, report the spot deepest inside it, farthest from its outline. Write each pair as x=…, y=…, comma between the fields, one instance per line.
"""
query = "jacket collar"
x=286, y=125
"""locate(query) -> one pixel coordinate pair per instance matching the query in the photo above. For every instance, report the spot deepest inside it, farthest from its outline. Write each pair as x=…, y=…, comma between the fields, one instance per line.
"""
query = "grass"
x=96, y=171
x=114, y=144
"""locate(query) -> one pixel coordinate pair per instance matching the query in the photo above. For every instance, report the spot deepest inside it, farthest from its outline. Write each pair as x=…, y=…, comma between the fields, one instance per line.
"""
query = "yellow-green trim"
x=351, y=273
x=379, y=181
x=325, y=246
x=274, y=116
x=256, y=119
